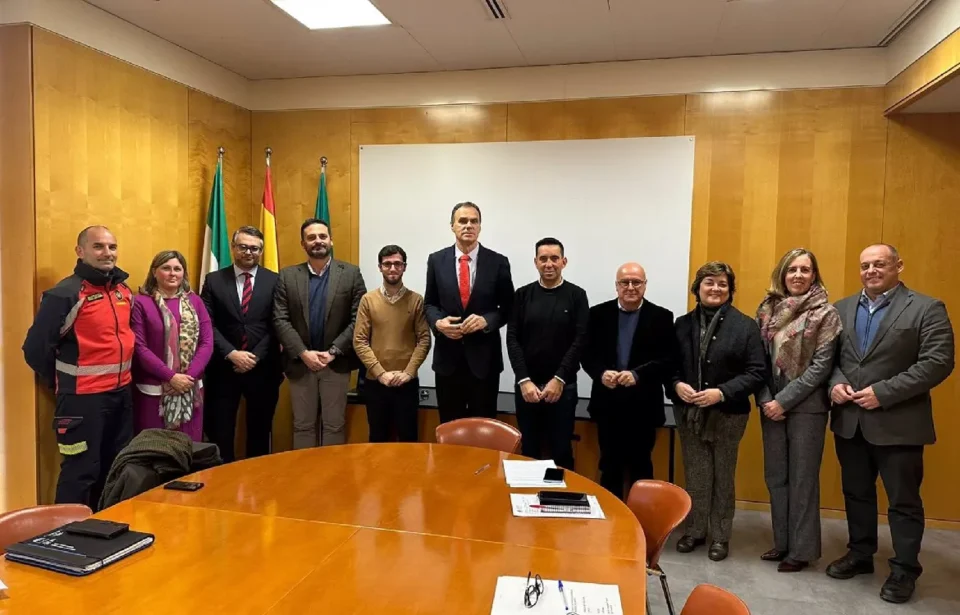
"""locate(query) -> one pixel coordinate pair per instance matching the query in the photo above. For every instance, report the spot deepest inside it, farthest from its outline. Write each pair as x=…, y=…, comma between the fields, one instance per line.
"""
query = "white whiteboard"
x=609, y=201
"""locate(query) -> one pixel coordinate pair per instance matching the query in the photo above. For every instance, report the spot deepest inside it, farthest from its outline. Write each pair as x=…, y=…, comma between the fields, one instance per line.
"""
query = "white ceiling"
x=255, y=39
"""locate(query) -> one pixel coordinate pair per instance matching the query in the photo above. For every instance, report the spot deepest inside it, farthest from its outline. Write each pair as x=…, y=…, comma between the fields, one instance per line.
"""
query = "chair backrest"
x=659, y=507
x=25, y=523
x=712, y=600
x=480, y=432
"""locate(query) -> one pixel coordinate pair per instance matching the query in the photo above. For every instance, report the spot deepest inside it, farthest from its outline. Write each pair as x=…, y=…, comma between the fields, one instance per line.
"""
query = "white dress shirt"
x=240, y=278
x=471, y=264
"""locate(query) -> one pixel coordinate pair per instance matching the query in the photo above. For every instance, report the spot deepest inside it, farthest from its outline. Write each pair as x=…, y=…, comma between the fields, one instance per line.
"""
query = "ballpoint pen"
x=481, y=469
x=563, y=595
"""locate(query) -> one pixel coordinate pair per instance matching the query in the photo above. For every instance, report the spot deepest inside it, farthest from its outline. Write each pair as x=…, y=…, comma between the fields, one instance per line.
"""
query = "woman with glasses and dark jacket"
x=721, y=363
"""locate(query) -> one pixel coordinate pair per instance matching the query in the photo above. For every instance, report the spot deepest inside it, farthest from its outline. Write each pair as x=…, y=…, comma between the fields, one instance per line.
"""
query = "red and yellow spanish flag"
x=268, y=224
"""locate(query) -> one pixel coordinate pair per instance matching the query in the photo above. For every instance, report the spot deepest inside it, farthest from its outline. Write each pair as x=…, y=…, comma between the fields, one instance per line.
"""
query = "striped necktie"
x=245, y=303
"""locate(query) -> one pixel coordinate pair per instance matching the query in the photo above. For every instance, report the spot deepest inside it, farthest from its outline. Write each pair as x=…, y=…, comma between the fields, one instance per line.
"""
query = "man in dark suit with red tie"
x=469, y=295
x=246, y=356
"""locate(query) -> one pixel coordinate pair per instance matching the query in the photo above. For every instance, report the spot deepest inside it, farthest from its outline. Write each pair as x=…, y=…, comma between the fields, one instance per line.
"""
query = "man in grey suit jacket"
x=895, y=347
x=314, y=311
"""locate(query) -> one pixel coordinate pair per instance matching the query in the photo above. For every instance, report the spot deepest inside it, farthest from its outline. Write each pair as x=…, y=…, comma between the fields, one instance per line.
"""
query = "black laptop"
x=80, y=548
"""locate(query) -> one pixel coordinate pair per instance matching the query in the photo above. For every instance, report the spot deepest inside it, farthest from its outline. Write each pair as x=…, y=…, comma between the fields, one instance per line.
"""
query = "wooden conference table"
x=364, y=528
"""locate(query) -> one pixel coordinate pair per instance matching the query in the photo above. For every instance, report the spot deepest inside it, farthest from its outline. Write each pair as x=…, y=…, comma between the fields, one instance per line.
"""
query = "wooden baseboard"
x=831, y=513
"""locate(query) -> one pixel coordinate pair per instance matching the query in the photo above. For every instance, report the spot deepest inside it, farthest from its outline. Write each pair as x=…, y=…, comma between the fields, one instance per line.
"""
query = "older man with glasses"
x=246, y=356
x=629, y=354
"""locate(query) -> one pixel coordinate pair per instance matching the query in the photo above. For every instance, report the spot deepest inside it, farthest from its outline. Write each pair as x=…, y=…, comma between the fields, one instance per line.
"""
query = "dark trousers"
x=461, y=394
x=551, y=424
x=710, y=469
x=91, y=430
x=261, y=389
x=901, y=468
x=792, y=451
x=625, y=444
x=392, y=410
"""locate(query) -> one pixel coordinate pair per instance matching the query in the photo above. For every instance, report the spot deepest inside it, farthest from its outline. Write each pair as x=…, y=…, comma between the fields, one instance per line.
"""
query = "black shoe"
x=789, y=565
x=773, y=555
x=898, y=588
x=719, y=551
x=687, y=544
x=849, y=566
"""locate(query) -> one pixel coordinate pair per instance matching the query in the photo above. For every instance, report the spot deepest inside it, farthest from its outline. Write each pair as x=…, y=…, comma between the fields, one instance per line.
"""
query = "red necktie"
x=465, y=280
x=245, y=304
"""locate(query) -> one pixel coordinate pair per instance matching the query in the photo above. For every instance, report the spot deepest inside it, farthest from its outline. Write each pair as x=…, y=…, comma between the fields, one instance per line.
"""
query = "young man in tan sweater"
x=392, y=339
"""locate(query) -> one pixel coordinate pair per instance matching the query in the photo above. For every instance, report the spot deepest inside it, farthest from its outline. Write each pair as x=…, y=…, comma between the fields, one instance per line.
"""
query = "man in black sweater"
x=545, y=336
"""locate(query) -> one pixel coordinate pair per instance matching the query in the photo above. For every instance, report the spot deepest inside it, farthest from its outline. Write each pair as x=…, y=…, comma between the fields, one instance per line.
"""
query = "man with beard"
x=392, y=340
x=81, y=345
x=246, y=361
x=314, y=311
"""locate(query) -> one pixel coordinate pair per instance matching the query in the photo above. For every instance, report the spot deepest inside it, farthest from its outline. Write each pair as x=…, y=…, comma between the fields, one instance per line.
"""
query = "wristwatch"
x=335, y=351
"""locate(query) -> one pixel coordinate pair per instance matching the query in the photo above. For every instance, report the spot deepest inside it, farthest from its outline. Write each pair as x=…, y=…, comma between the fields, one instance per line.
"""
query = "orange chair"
x=712, y=600
x=659, y=507
x=481, y=433
x=25, y=523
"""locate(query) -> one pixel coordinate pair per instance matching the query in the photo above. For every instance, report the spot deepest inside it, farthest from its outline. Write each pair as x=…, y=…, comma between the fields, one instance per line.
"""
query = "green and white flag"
x=322, y=211
x=216, y=239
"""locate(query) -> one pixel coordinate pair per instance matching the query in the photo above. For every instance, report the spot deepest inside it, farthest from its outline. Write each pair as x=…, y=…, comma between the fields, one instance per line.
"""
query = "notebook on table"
x=72, y=550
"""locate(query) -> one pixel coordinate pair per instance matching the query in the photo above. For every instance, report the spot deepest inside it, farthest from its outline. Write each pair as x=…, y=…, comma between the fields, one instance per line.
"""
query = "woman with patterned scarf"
x=800, y=330
x=174, y=344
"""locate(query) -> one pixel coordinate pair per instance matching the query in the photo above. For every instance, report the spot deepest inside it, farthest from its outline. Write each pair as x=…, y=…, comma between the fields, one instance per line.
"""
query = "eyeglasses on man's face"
x=631, y=283
x=247, y=249
x=392, y=265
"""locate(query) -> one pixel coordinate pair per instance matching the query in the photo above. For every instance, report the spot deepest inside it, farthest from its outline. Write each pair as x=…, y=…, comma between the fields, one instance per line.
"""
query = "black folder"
x=76, y=554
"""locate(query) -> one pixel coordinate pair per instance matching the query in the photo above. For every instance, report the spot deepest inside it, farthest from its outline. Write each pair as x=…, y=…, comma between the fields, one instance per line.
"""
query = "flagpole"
x=269, y=153
x=220, y=152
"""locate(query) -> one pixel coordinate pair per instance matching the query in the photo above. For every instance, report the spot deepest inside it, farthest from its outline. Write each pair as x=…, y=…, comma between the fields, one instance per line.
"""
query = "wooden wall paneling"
x=928, y=72
x=18, y=402
x=111, y=148
x=610, y=118
x=213, y=123
x=920, y=218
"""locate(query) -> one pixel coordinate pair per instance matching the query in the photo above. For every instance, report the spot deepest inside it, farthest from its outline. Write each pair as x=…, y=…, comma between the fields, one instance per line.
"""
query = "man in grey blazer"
x=314, y=311
x=895, y=347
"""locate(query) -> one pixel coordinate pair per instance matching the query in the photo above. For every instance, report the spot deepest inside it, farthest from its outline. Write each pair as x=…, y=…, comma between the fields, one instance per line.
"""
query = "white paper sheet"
x=529, y=473
x=524, y=505
x=2, y=586
x=582, y=598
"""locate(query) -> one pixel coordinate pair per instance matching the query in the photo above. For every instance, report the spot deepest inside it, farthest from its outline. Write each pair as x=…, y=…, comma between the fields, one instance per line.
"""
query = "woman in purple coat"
x=174, y=343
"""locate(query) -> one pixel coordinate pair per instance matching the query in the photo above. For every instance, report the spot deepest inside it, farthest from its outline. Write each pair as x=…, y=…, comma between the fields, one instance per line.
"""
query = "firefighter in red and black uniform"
x=81, y=345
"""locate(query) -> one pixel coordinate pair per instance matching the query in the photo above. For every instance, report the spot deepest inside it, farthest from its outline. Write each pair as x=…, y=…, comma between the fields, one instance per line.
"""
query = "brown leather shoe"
x=789, y=565
x=774, y=555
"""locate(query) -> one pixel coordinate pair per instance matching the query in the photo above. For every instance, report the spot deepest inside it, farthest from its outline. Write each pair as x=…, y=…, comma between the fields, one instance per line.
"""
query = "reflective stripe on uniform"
x=92, y=370
x=71, y=317
x=72, y=449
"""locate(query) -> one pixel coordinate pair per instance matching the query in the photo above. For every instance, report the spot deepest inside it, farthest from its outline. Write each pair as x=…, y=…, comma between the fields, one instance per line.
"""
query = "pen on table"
x=563, y=595
x=481, y=469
